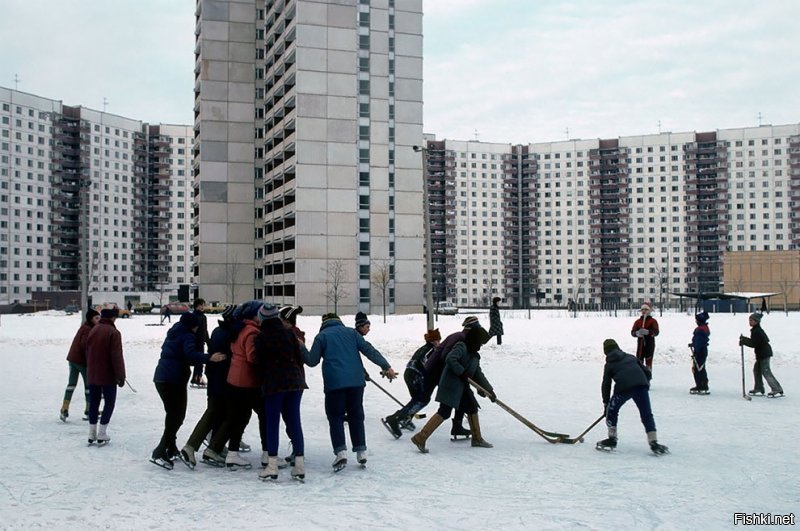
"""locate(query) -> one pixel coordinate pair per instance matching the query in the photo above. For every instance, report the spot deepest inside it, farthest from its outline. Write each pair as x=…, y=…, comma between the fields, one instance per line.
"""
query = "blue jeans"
x=350, y=400
x=108, y=393
x=641, y=397
x=287, y=405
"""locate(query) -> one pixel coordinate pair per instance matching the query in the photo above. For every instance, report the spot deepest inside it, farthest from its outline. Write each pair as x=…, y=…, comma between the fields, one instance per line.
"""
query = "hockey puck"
x=581, y=439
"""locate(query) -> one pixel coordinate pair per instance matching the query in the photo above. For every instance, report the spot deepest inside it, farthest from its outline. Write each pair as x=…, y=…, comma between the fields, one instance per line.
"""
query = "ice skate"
x=607, y=445
x=339, y=462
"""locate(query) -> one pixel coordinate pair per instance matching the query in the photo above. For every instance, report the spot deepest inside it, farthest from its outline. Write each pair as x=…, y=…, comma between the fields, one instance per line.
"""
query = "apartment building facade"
x=307, y=189
x=73, y=187
x=607, y=222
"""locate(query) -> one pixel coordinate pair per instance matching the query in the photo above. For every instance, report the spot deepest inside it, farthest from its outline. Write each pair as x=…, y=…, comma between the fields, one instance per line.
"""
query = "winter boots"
x=475, y=428
x=419, y=438
x=92, y=433
x=658, y=449
x=270, y=472
x=299, y=468
x=64, y=413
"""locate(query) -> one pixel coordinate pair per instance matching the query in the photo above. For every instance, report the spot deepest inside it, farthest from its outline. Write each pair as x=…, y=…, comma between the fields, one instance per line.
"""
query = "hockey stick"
x=129, y=385
x=697, y=366
x=744, y=394
x=390, y=395
x=579, y=438
x=549, y=436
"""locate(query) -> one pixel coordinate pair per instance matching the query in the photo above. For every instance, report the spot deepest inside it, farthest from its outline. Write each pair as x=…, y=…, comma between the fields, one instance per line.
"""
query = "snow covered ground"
x=728, y=455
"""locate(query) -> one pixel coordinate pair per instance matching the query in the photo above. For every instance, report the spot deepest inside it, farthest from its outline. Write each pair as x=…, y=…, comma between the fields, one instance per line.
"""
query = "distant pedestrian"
x=631, y=381
x=495, y=324
x=105, y=371
x=645, y=329
x=129, y=306
x=699, y=346
x=764, y=307
x=759, y=342
x=166, y=314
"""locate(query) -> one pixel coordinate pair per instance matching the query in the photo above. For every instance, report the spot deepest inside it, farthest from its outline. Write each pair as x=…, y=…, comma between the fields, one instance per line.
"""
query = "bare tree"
x=232, y=269
x=786, y=286
x=661, y=280
x=382, y=278
x=337, y=276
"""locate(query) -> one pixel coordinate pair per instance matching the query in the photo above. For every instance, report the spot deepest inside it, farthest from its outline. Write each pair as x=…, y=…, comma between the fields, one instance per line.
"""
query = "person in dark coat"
x=699, y=346
x=340, y=349
x=759, y=342
x=414, y=376
x=495, y=324
x=281, y=361
x=645, y=329
x=631, y=381
x=214, y=419
x=174, y=368
x=200, y=340
x=76, y=357
x=166, y=313
x=105, y=371
x=461, y=364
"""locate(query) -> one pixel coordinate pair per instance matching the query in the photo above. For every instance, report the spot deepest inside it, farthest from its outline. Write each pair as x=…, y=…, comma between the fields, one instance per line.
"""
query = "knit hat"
x=701, y=317
x=361, y=319
x=646, y=306
x=90, y=314
x=496, y=300
x=267, y=311
x=246, y=310
x=329, y=316
x=433, y=335
x=477, y=336
x=109, y=313
x=470, y=322
x=290, y=313
x=756, y=317
x=609, y=345
x=227, y=313
x=189, y=320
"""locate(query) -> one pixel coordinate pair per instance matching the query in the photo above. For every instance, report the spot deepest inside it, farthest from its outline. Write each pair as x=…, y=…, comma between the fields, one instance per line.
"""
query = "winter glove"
x=120, y=383
x=741, y=341
x=642, y=332
x=464, y=376
x=490, y=395
x=605, y=408
x=366, y=375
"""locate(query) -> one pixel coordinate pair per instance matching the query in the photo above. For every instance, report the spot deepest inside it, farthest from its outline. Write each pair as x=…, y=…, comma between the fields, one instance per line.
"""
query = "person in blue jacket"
x=699, y=346
x=340, y=349
x=171, y=377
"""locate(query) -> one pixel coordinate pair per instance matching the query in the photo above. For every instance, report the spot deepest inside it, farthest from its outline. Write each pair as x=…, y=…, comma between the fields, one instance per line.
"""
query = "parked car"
x=215, y=307
x=178, y=308
x=446, y=308
x=143, y=308
x=124, y=313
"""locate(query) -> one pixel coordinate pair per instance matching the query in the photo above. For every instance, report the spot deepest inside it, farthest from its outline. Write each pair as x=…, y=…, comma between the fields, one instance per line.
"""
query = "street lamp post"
x=427, y=229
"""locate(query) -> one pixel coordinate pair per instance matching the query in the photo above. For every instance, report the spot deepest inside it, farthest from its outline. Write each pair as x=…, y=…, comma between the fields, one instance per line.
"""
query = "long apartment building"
x=80, y=186
x=307, y=189
x=607, y=222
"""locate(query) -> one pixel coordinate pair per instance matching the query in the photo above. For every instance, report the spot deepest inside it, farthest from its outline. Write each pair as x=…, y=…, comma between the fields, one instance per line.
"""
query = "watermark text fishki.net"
x=763, y=519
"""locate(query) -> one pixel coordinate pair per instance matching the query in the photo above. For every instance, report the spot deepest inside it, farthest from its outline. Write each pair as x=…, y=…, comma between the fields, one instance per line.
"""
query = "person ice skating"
x=245, y=381
x=340, y=348
x=201, y=340
x=214, y=418
x=281, y=362
x=631, y=381
x=178, y=354
x=105, y=371
x=699, y=346
x=759, y=342
x=495, y=324
x=434, y=365
x=362, y=324
x=166, y=313
x=645, y=329
x=414, y=376
x=76, y=357
x=462, y=363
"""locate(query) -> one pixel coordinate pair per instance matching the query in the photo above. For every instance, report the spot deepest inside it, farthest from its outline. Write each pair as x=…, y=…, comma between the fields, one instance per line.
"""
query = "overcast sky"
x=513, y=70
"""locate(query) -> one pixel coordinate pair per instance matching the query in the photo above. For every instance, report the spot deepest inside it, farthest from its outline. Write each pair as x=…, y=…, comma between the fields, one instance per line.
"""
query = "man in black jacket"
x=759, y=342
x=632, y=381
x=200, y=340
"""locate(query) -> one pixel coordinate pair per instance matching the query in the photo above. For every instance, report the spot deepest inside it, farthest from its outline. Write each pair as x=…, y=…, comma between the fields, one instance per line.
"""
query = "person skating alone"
x=462, y=363
x=414, y=376
x=759, y=342
x=699, y=346
x=631, y=381
x=495, y=324
x=105, y=371
x=340, y=348
x=76, y=357
x=178, y=354
x=645, y=329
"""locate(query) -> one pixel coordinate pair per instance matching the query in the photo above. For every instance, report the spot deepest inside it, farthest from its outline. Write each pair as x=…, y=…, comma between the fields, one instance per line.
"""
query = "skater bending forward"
x=461, y=363
x=631, y=381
